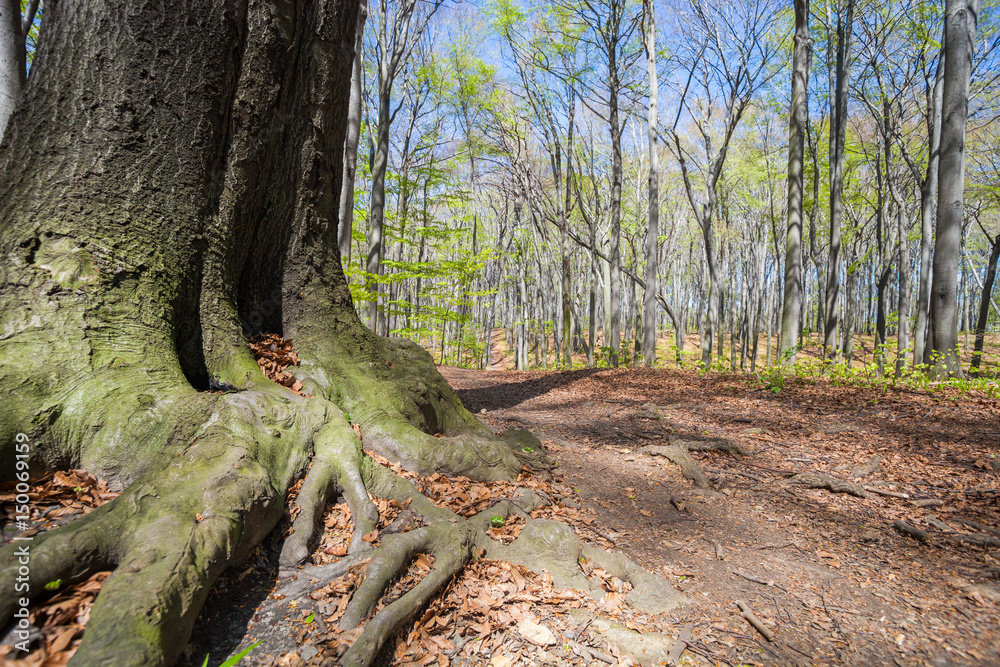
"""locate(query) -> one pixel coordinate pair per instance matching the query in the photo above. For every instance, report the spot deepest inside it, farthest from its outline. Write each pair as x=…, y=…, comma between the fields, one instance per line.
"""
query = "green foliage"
x=497, y=521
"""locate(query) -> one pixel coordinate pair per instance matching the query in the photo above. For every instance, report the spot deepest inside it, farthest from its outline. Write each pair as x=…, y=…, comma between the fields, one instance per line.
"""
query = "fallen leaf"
x=539, y=635
x=833, y=560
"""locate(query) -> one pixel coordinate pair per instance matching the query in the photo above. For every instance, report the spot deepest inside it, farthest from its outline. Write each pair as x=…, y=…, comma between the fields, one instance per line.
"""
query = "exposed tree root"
x=678, y=454
x=711, y=445
x=216, y=484
x=337, y=468
x=453, y=541
x=816, y=480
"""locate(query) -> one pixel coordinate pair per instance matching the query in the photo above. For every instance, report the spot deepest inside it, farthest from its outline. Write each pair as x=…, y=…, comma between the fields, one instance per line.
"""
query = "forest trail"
x=826, y=572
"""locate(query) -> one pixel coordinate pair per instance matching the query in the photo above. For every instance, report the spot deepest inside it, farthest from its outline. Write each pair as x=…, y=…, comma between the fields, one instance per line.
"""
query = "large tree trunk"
x=801, y=62
x=959, y=45
x=168, y=187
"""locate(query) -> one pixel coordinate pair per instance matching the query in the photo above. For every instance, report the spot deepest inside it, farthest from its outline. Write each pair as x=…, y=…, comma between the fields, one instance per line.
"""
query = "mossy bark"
x=169, y=187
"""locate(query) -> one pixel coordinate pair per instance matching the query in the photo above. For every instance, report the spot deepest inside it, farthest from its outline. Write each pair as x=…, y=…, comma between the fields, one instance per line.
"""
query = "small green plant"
x=497, y=521
x=231, y=662
x=527, y=450
x=53, y=585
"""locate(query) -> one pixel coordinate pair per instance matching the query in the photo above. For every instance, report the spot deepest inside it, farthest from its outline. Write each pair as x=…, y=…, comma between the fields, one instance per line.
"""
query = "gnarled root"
x=678, y=454
x=168, y=536
x=337, y=468
x=216, y=487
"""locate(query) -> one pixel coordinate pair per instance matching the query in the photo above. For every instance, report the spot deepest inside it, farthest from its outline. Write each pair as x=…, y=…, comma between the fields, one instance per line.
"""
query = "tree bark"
x=346, y=217
x=798, y=114
x=984, y=304
x=613, y=335
x=839, y=78
x=649, y=307
x=959, y=46
x=928, y=193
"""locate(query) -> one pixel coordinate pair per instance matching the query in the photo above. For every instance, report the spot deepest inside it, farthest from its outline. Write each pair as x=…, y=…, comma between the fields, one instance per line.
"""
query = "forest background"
x=501, y=201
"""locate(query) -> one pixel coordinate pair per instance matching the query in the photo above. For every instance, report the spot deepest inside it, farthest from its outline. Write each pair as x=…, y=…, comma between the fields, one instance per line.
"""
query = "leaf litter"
x=57, y=623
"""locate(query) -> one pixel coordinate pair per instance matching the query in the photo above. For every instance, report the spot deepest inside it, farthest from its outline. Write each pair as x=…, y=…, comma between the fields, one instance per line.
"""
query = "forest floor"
x=827, y=574
x=835, y=581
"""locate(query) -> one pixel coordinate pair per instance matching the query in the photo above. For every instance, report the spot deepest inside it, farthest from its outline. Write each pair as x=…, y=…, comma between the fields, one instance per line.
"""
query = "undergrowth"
x=869, y=376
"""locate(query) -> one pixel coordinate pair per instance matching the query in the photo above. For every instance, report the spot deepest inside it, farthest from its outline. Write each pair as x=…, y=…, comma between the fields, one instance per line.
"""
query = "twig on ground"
x=890, y=494
x=593, y=652
x=755, y=622
x=705, y=652
x=757, y=580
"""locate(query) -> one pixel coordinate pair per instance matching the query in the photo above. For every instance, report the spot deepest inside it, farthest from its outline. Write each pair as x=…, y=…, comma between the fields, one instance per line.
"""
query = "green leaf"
x=309, y=619
x=53, y=585
x=239, y=656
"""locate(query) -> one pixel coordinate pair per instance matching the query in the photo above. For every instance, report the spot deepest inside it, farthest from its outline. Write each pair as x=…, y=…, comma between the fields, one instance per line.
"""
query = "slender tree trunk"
x=592, y=304
x=959, y=46
x=613, y=335
x=798, y=114
x=376, y=214
x=905, y=280
x=928, y=193
x=984, y=305
x=351, y=145
x=567, y=284
x=838, y=133
x=814, y=253
x=649, y=306
x=11, y=59
x=850, y=317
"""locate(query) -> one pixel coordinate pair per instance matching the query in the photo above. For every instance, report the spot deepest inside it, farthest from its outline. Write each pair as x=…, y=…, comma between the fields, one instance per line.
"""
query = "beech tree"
x=649, y=306
x=838, y=61
x=169, y=187
x=798, y=116
x=958, y=49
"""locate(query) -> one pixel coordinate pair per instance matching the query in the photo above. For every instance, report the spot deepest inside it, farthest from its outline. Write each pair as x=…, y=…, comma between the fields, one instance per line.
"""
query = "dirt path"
x=825, y=571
